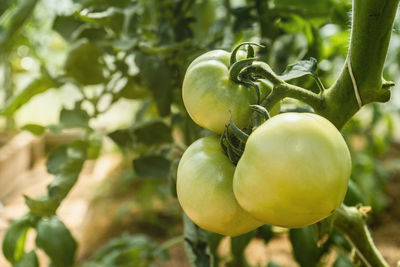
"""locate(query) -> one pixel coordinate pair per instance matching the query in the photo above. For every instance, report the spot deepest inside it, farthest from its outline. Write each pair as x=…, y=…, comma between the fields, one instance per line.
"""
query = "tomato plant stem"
x=370, y=35
x=351, y=221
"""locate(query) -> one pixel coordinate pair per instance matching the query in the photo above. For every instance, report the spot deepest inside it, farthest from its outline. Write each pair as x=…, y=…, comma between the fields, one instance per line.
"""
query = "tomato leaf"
x=156, y=75
x=299, y=69
x=56, y=240
x=343, y=261
x=14, y=21
x=132, y=89
x=65, y=162
x=354, y=195
x=28, y=260
x=305, y=250
x=238, y=245
x=152, y=132
x=128, y=250
x=14, y=239
x=195, y=243
x=84, y=63
x=265, y=232
x=323, y=229
x=35, y=87
x=42, y=205
x=35, y=129
x=74, y=118
x=152, y=166
x=66, y=26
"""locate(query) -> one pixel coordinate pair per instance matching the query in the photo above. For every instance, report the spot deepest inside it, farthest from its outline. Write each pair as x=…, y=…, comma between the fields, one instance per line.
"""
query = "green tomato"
x=204, y=188
x=210, y=96
x=294, y=170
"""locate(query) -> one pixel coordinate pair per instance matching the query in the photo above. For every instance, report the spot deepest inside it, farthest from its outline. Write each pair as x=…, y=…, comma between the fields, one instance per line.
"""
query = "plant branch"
x=282, y=89
x=351, y=221
x=370, y=35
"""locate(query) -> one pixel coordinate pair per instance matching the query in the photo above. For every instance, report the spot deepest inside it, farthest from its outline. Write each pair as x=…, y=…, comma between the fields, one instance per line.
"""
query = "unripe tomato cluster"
x=293, y=172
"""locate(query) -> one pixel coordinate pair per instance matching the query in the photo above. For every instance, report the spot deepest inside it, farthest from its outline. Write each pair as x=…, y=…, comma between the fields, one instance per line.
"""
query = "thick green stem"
x=371, y=29
x=351, y=220
x=288, y=90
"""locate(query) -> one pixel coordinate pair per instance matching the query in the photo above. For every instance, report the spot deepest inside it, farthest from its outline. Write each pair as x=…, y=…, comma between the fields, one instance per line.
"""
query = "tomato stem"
x=351, y=220
x=372, y=23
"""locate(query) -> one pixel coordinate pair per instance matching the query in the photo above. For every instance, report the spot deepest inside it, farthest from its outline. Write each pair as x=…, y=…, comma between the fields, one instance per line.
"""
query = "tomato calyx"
x=260, y=115
x=250, y=51
x=233, y=141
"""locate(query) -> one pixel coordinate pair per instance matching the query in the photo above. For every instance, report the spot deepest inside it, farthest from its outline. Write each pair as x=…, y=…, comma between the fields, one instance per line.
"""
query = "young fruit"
x=210, y=97
x=204, y=188
x=294, y=170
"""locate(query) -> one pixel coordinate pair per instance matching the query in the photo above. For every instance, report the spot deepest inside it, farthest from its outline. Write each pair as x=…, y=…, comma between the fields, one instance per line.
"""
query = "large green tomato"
x=294, y=170
x=204, y=188
x=210, y=96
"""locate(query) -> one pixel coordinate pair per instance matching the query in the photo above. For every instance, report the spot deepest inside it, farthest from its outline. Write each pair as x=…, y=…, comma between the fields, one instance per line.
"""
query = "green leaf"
x=66, y=26
x=300, y=69
x=196, y=244
x=123, y=137
x=152, y=166
x=238, y=245
x=56, y=240
x=127, y=250
x=343, y=261
x=354, y=195
x=84, y=63
x=35, y=129
x=305, y=250
x=133, y=89
x=14, y=239
x=74, y=118
x=42, y=205
x=213, y=241
x=14, y=21
x=286, y=49
x=66, y=163
x=93, y=33
x=67, y=158
x=37, y=86
x=28, y=260
x=323, y=229
x=265, y=232
x=157, y=75
x=151, y=132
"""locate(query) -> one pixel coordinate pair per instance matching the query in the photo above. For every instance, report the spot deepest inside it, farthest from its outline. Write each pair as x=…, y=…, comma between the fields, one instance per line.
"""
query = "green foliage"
x=56, y=240
x=37, y=86
x=28, y=260
x=84, y=63
x=305, y=249
x=128, y=250
x=14, y=239
x=196, y=244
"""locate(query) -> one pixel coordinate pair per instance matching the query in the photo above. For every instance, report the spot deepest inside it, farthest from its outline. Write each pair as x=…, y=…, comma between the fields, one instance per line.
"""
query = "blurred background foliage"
x=111, y=72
